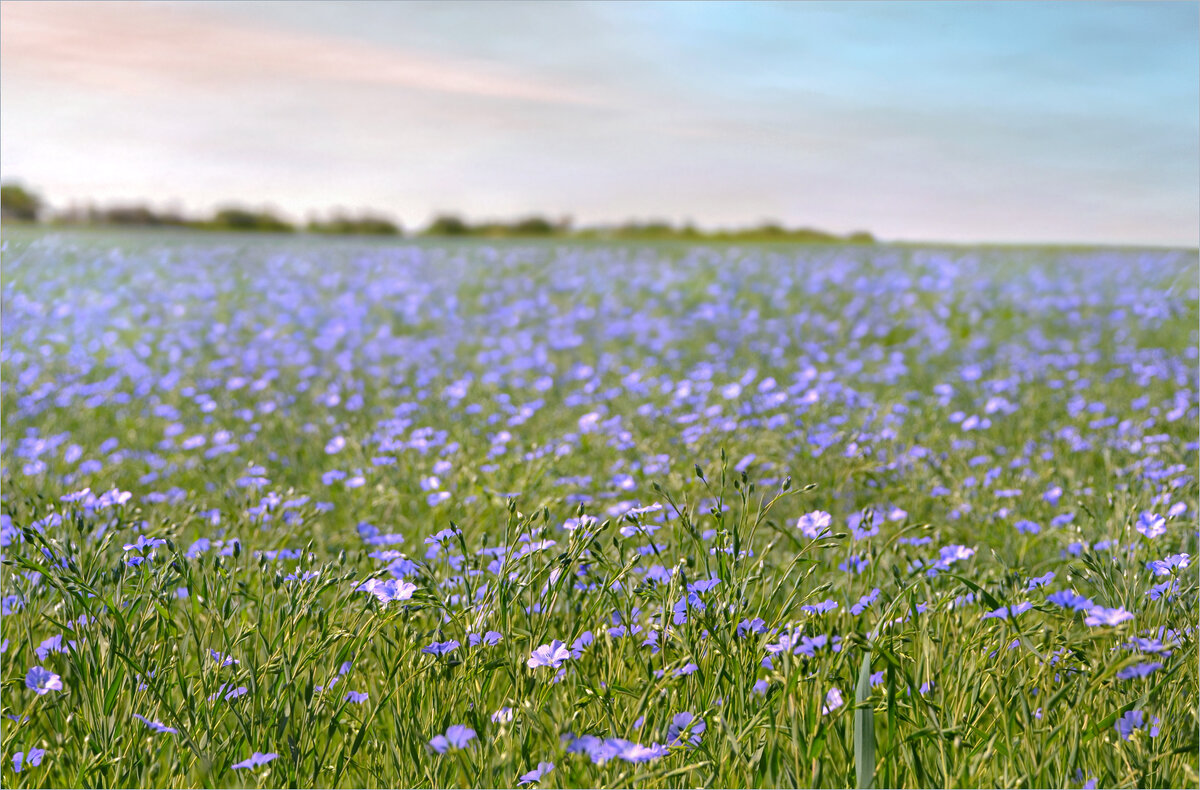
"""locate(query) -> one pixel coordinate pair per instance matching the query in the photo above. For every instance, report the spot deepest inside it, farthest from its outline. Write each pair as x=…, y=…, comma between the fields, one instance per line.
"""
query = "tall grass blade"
x=864, y=727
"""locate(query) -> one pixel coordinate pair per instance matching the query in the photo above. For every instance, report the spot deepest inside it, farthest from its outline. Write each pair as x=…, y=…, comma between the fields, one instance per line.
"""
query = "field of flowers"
x=293, y=513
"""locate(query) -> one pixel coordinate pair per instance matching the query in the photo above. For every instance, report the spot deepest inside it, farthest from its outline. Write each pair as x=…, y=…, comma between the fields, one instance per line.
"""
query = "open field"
x=433, y=515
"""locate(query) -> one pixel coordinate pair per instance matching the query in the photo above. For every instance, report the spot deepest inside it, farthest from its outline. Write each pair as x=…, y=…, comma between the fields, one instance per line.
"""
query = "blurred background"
x=963, y=122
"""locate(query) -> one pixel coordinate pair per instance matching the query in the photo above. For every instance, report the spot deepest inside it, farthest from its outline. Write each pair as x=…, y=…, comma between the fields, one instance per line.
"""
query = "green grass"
x=121, y=337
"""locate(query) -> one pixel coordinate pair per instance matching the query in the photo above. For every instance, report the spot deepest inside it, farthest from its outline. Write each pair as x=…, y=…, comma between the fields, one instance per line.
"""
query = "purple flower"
x=143, y=543
x=1139, y=670
x=865, y=601
x=457, y=737
x=1069, y=599
x=1009, y=612
x=1027, y=527
x=833, y=701
x=229, y=691
x=488, y=639
x=155, y=725
x=357, y=697
x=685, y=726
x=536, y=774
x=1135, y=720
x=1098, y=615
x=223, y=660
x=42, y=681
x=820, y=608
x=635, y=752
x=388, y=590
x=579, y=645
x=255, y=760
x=551, y=655
x=755, y=626
x=1150, y=646
x=441, y=648
x=854, y=564
x=502, y=716
x=35, y=759
x=814, y=524
x=441, y=536
x=1163, y=567
x=602, y=750
x=1161, y=590
x=52, y=645
x=1151, y=524
x=1040, y=581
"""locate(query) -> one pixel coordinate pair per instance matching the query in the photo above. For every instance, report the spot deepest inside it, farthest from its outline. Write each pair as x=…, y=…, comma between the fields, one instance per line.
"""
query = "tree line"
x=18, y=204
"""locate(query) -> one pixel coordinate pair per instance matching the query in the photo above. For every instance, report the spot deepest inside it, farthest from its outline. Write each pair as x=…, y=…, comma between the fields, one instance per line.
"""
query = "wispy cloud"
x=963, y=121
x=143, y=47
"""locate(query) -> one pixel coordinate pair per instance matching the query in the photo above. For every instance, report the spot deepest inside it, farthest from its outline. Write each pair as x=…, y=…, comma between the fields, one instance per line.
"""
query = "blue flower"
x=755, y=626
x=488, y=639
x=820, y=608
x=1099, y=615
x=1151, y=524
x=357, y=697
x=52, y=645
x=833, y=701
x=155, y=725
x=1027, y=527
x=457, y=736
x=1139, y=670
x=536, y=774
x=685, y=726
x=551, y=655
x=143, y=543
x=865, y=602
x=255, y=760
x=1009, y=612
x=441, y=648
x=34, y=759
x=42, y=681
x=1135, y=720
x=388, y=590
x=1163, y=567
x=229, y=691
x=814, y=524
x=1040, y=581
x=1069, y=599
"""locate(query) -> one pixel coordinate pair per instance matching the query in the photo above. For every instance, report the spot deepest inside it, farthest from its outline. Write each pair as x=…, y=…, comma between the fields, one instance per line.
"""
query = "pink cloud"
x=138, y=48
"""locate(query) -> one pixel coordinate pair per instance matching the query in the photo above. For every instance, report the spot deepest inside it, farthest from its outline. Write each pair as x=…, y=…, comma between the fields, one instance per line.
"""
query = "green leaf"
x=864, y=727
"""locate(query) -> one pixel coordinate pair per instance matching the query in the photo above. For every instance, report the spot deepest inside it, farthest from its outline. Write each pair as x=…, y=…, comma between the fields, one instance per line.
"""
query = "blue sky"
x=923, y=121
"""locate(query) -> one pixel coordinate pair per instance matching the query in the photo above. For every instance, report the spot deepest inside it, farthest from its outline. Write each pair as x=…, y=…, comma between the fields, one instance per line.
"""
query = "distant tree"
x=365, y=225
x=141, y=216
x=531, y=226
x=245, y=220
x=767, y=230
x=860, y=237
x=447, y=225
x=653, y=229
x=18, y=203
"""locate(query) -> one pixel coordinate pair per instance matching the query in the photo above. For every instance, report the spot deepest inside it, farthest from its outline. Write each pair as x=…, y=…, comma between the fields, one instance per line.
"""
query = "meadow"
x=293, y=512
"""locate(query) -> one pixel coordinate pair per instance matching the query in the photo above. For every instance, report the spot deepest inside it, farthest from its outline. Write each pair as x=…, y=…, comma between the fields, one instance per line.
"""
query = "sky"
x=962, y=122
